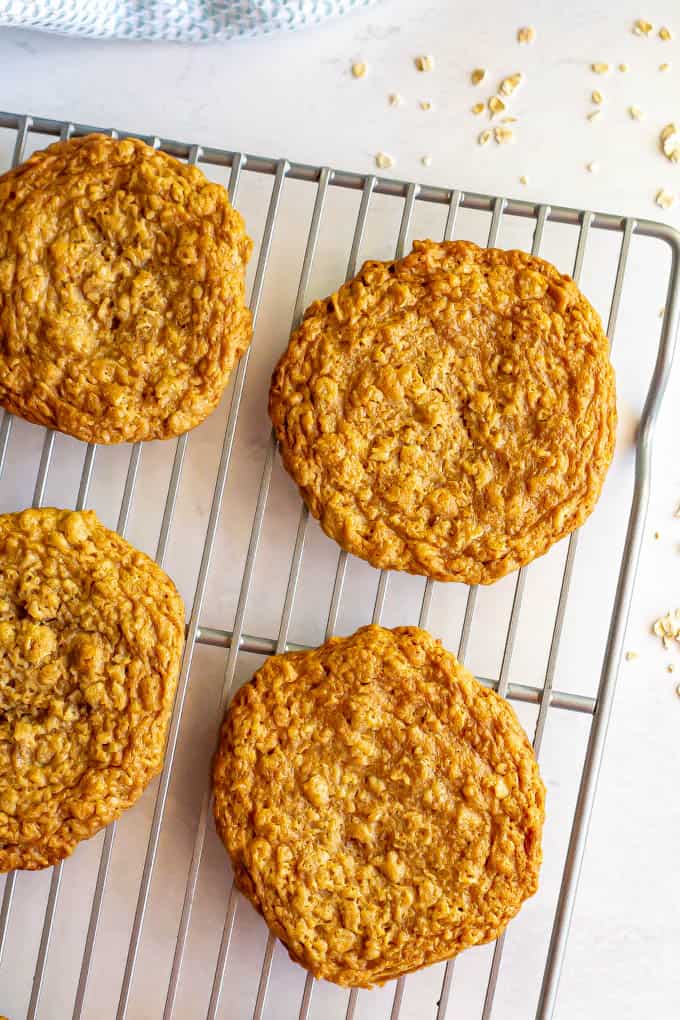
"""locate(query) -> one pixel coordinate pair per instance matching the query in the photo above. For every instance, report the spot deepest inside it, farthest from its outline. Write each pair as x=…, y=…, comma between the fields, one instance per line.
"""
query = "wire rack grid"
x=44, y=995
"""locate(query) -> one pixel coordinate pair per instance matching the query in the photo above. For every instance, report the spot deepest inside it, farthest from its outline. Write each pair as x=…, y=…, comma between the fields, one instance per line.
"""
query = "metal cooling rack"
x=235, y=641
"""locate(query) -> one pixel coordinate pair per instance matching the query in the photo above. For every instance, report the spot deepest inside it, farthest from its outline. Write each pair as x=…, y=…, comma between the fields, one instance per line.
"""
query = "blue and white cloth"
x=181, y=20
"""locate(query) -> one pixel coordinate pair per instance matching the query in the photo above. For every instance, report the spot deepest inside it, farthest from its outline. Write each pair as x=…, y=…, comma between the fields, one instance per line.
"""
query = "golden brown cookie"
x=450, y=414
x=122, y=299
x=91, y=635
x=382, y=809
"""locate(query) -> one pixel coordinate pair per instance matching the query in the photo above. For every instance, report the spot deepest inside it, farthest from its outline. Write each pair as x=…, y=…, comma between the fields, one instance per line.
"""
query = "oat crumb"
x=509, y=120
x=642, y=27
x=509, y=84
x=594, y=114
x=664, y=67
x=631, y=656
x=524, y=179
x=383, y=161
x=496, y=105
x=624, y=68
x=670, y=667
x=596, y=96
x=592, y=167
x=395, y=99
x=635, y=113
x=664, y=199
x=359, y=70
x=526, y=35
x=483, y=137
x=426, y=160
x=670, y=142
x=665, y=34
x=502, y=135
x=657, y=535
x=424, y=63
x=478, y=108
x=600, y=68
x=478, y=75
x=425, y=104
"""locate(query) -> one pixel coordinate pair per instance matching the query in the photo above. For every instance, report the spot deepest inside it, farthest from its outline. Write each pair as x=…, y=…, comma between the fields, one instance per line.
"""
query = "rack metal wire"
x=236, y=641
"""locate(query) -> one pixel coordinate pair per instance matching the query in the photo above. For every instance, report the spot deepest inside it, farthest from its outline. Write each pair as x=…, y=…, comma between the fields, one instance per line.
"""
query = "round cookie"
x=91, y=635
x=451, y=413
x=122, y=296
x=382, y=809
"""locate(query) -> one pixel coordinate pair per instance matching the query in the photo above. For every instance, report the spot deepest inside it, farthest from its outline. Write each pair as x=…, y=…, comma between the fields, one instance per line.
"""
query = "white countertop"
x=294, y=96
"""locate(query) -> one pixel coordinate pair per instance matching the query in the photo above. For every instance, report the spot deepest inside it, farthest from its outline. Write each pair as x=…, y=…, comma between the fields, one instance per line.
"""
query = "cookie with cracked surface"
x=449, y=414
x=122, y=295
x=91, y=636
x=381, y=808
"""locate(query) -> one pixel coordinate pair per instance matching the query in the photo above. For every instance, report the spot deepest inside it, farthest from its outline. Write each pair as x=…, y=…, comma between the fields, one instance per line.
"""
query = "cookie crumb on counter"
x=526, y=35
x=478, y=75
x=594, y=113
x=664, y=199
x=596, y=96
x=395, y=99
x=665, y=34
x=359, y=70
x=483, y=137
x=635, y=113
x=631, y=656
x=600, y=68
x=664, y=67
x=425, y=104
x=642, y=27
x=384, y=161
x=496, y=105
x=524, y=179
x=624, y=68
x=509, y=84
x=478, y=108
x=592, y=167
x=424, y=63
x=426, y=160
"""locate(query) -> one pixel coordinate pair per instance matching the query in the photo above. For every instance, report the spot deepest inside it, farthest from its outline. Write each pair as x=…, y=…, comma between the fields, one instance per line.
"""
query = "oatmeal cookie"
x=382, y=809
x=91, y=635
x=451, y=413
x=122, y=297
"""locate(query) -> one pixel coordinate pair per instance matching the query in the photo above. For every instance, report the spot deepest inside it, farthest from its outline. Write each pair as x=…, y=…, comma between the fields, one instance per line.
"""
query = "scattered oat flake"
x=394, y=99
x=509, y=120
x=664, y=67
x=509, y=84
x=594, y=114
x=425, y=104
x=424, y=63
x=359, y=70
x=635, y=113
x=665, y=34
x=624, y=68
x=383, y=161
x=502, y=135
x=631, y=656
x=426, y=160
x=524, y=179
x=657, y=535
x=668, y=628
x=600, y=68
x=478, y=75
x=642, y=27
x=596, y=96
x=526, y=35
x=670, y=667
x=483, y=137
x=496, y=105
x=592, y=167
x=670, y=143
x=664, y=199
x=478, y=108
